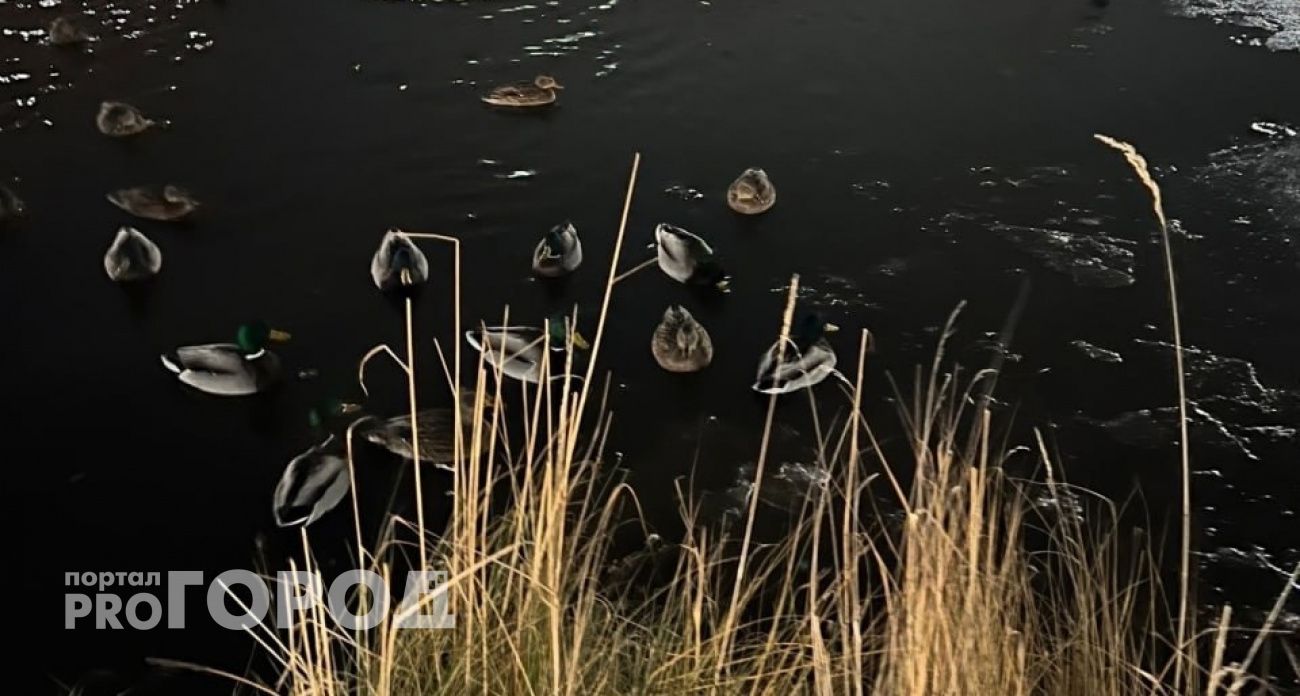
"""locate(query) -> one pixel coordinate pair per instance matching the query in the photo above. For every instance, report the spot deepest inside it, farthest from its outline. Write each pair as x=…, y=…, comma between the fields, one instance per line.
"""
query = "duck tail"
x=847, y=382
x=171, y=363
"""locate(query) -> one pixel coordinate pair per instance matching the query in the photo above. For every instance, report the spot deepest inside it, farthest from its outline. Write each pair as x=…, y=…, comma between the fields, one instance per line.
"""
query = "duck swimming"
x=132, y=256
x=687, y=258
x=230, y=369
x=119, y=119
x=312, y=485
x=171, y=203
x=559, y=253
x=11, y=206
x=67, y=31
x=680, y=343
x=751, y=193
x=808, y=359
x=517, y=350
x=398, y=262
x=542, y=91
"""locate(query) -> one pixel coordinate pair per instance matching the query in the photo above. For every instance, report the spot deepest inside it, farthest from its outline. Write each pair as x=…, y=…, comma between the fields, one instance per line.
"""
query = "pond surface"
x=926, y=153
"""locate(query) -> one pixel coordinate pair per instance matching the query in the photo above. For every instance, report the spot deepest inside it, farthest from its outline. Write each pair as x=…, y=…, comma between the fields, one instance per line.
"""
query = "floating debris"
x=1091, y=260
x=1228, y=407
x=829, y=292
x=684, y=192
x=1279, y=18
x=1259, y=174
x=1274, y=130
x=1096, y=352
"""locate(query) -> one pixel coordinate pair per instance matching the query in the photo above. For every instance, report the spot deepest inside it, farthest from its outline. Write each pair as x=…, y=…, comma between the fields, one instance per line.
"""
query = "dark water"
x=926, y=153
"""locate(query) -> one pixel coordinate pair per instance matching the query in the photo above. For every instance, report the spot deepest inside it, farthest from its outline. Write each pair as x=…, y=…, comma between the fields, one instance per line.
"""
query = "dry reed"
x=945, y=595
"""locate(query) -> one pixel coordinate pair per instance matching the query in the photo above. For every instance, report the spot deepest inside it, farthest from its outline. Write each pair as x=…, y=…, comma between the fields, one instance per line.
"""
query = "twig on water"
x=1139, y=165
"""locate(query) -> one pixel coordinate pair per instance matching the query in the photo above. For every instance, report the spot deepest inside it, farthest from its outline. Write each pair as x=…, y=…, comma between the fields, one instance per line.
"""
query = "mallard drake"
x=751, y=193
x=559, y=253
x=67, y=31
x=808, y=359
x=312, y=485
x=329, y=414
x=132, y=256
x=517, y=350
x=170, y=203
x=542, y=91
x=230, y=369
x=687, y=258
x=11, y=206
x=119, y=119
x=680, y=343
x=398, y=262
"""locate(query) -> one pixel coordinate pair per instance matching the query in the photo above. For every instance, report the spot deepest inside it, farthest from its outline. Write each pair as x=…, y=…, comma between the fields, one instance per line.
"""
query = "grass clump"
x=956, y=579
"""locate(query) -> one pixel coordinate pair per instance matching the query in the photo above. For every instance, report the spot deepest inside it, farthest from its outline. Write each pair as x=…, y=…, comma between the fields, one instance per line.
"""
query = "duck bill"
x=724, y=285
x=579, y=342
x=349, y=407
x=279, y=336
x=830, y=328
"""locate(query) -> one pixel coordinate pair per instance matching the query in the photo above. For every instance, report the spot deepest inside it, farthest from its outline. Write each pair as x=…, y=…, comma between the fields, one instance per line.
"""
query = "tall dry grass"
x=962, y=581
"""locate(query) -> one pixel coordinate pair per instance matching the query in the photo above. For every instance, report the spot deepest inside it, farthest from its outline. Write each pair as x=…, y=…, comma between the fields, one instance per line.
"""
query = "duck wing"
x=515, y=350
x=681, y=245
x=679, y=251
x=312, y=485
x=219, y=368
x=797, y=371
x=437, y=427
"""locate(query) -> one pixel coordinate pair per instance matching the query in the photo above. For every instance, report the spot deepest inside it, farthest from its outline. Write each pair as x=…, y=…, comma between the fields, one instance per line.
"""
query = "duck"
x=559, y=253
x=330, y=413
x=751, y=193
x=171, y=203
x=437, y=435
x=398, y=262
x=808, y=359
x=542, y=91
x=680, y=343
x=241, y=368
x=517, y=350
x=67, y=31
x=687, y=258
x=119, y=120
x=313, y=483
x=11, y=206
x=132, y=256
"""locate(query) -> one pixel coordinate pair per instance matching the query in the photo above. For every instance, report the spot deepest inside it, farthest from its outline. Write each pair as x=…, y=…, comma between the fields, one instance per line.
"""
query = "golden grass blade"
x=729, y=625
x=1139, y=165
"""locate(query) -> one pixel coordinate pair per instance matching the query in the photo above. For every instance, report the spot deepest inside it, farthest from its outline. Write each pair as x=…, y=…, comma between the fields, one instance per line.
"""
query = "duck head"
x=546, y=82
x=556, y=238
x=710, y=272
x=253, y=337
x=175, y=194
x=558, y=335
x=329, y=410
x=810, y=328
x=688, y=330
